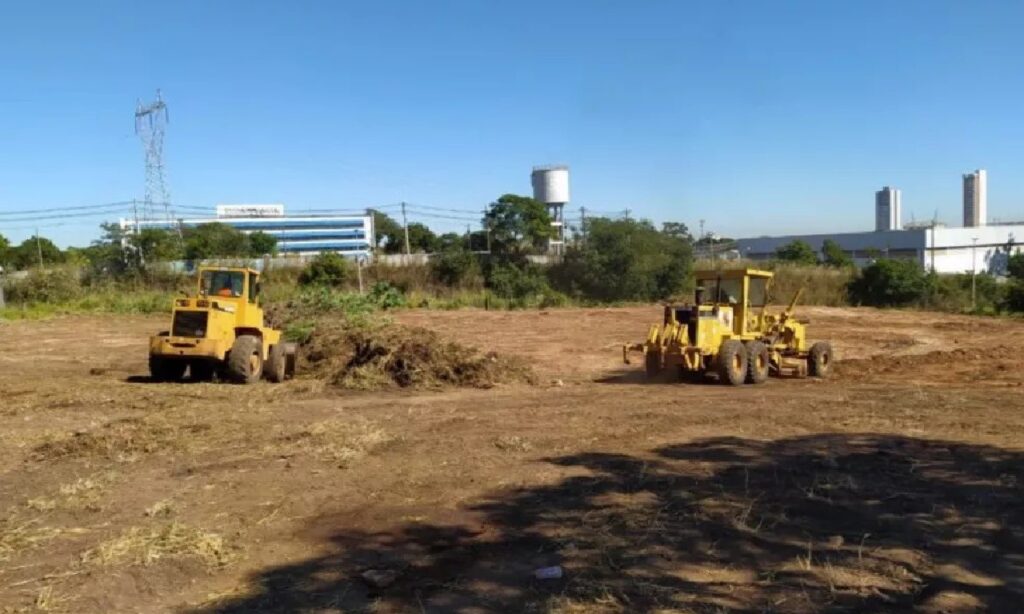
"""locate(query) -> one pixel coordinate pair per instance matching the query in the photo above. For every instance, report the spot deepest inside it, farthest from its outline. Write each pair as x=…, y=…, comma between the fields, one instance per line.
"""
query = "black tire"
x=245, y=360
x=201, y=371
x=757, y=362
x=291, y=354
x=652, y=363
x=277, y=363
x=166, y=369
x=819, y=359
x=732, y=363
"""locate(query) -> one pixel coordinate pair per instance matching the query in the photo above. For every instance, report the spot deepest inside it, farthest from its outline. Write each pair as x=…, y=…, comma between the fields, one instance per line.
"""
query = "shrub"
x=516, y=281
x=326, y=269
x=455, y=268
x=53, y=285
x=625, y=260
x=889, y=283
x=386, y=296
x=798, y=252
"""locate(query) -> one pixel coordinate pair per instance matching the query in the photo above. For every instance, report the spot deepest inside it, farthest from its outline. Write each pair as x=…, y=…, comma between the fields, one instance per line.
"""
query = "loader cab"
x=240, y=285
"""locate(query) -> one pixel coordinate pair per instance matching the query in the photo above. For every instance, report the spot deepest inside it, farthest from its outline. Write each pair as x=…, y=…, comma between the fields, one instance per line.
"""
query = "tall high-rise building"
x=976, y=198
x=887, y=209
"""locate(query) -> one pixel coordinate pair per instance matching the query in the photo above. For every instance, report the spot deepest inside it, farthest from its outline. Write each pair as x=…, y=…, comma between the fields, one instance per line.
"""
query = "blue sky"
x=758, y=117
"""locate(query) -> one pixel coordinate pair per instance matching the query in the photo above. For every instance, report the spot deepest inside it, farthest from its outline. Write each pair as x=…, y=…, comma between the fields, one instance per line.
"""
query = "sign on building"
x=250, y=210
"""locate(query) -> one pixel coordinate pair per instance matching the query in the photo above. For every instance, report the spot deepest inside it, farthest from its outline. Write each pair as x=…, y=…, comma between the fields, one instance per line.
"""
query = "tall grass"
x=822, y=285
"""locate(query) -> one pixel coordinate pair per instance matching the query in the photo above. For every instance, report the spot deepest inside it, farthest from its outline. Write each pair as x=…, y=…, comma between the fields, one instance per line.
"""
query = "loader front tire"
x=166, y=370
x=757, y=362
x=277, y=363
x=732, y=363
x=819, y=359
x=245, y=360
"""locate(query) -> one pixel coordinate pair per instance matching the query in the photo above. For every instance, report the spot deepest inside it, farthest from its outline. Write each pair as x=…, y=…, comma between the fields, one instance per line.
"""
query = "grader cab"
x=728, y=331
x=220, y=331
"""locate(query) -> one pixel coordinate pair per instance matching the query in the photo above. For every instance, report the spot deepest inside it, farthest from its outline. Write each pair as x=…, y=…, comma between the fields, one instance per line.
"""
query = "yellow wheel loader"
x=729, y=332
x=220, y=331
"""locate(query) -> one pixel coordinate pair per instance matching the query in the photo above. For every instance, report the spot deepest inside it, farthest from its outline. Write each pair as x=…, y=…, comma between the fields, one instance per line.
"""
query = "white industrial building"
x=978, y=246
x=944, y=250
x=307, y=235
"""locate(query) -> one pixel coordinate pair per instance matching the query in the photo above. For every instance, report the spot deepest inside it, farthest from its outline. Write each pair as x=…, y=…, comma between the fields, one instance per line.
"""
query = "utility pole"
x=469, y=239
x=974, y=272
x=626, y=213
x=487, y=230
x=405, y=226
x=583, y=224
x=39, y=248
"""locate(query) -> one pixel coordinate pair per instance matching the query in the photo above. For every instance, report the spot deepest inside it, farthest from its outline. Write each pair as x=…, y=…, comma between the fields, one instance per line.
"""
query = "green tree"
x=387, y=233
x=5, y=251
x=451, y=240
x=29, y=252
x=421, y=239
x=625, y=260
x=1015, y=266
x=834, y=256
x=262, y=244
x=889, y=283
x=797, y=252
x=215, y=240
x=677, y=230
x=157, y=245
x=325, y=269
x=519, y=226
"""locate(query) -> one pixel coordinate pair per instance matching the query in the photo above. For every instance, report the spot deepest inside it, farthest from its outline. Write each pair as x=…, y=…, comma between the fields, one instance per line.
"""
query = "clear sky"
x=758, y=117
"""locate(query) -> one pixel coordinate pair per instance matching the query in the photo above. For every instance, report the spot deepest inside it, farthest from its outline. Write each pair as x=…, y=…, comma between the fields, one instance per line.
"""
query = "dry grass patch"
x=512, y=443
x=82, y=494
x=18, y=535
x=146, y=545
x=342, y=441
x=123, y=441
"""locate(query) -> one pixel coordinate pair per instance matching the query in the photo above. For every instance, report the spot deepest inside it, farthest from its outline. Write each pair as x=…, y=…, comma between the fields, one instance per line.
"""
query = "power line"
x=123, y=203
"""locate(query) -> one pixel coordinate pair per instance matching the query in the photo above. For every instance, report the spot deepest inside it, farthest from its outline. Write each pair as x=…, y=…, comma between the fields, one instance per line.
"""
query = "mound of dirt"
x=400, y=356
x=997, y=363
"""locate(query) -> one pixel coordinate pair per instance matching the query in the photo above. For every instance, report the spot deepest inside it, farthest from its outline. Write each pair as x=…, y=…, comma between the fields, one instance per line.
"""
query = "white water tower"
x=551, y=187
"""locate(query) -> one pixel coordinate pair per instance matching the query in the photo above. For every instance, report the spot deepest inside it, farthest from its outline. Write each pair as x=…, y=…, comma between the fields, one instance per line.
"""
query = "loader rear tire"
x=245, y=360
x=732, y=363
x=757, y=363
x=166, y=370
x=277, y=363
x=819, y=359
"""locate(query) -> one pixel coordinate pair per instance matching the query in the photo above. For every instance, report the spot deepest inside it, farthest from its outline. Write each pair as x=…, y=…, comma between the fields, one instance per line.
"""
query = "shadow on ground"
x=810, y=524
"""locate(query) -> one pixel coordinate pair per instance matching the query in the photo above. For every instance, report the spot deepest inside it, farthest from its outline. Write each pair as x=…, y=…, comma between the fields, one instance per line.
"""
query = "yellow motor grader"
x=729, y=332
x=220, y=330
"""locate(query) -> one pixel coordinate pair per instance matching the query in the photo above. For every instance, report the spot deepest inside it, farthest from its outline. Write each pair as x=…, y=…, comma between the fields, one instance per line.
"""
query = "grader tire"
x=277, y=363
x=166, y=370
x=245, y=360
x=652, y=364
x=732, y=363
x=757, y=363
x=819, y=359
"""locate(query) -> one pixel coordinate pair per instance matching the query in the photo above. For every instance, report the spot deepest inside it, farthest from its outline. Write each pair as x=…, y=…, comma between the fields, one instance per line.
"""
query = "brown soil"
x=895, y=485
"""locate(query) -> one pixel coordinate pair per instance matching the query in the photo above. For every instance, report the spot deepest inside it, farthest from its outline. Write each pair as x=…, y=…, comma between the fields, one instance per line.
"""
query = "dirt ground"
x=896, y=485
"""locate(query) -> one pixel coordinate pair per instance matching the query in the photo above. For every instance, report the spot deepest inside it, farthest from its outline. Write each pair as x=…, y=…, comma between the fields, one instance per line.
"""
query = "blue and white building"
x=307, y=235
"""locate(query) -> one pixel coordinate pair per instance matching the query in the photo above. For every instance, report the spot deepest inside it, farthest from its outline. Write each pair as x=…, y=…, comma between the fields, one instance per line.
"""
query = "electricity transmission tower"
x=150, y=122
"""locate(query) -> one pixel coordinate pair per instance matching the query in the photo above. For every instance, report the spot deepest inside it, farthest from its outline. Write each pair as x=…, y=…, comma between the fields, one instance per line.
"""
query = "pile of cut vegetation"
x=392, y=355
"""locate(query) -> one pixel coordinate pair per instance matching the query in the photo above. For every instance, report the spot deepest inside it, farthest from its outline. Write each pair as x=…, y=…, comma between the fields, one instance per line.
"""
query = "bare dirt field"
x=896, y=485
